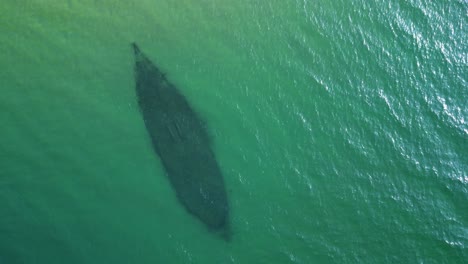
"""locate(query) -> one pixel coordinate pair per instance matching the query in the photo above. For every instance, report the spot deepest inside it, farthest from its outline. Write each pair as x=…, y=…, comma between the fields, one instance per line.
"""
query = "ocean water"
x=340, y=127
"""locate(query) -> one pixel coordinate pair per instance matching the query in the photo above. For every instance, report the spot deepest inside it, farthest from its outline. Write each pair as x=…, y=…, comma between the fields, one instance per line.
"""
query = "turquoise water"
x=340, y=127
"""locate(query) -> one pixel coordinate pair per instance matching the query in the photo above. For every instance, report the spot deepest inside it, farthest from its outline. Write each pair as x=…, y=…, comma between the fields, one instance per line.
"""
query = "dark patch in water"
x=179, y=138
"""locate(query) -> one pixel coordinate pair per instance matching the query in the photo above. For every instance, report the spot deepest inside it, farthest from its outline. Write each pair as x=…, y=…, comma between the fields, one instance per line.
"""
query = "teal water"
x=340, y=127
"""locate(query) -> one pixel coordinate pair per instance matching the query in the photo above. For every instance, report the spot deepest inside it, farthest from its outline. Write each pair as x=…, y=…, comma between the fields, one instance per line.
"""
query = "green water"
x=340, y=127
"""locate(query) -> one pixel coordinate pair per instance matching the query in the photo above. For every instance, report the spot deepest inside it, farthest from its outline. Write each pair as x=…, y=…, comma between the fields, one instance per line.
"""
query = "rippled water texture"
x=340, y=128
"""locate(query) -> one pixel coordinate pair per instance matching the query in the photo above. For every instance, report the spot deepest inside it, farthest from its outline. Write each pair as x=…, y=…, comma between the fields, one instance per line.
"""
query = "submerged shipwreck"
x=180, y=139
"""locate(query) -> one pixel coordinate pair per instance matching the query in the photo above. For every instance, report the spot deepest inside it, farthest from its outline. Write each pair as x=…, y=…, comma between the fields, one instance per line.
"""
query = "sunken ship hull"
x=180, y=139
